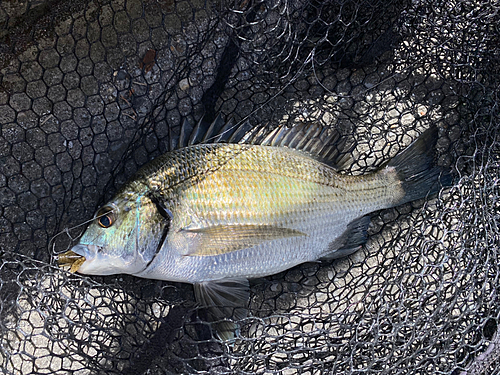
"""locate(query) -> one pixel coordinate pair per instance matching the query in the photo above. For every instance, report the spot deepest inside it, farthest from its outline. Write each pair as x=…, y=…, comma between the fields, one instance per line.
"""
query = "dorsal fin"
x=200, y=133
x=322, y=143
x=216, y=132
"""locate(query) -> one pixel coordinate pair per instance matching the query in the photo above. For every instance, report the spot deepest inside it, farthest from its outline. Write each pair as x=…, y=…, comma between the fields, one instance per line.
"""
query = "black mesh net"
x=92, y=90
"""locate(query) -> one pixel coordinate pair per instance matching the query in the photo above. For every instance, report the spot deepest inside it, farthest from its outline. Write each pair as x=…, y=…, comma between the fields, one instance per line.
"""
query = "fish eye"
x=105, y=217
x=106, y=221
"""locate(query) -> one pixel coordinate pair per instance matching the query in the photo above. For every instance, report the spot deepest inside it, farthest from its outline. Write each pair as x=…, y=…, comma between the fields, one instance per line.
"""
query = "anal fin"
x=351, y=240
x=224, y=299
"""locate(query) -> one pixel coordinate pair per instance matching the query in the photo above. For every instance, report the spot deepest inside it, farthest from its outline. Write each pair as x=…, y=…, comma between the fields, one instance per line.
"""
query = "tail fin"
x=416, y=168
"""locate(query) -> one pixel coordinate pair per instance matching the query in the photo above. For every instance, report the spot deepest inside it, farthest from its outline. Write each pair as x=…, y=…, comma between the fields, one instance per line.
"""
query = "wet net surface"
x=92, y=90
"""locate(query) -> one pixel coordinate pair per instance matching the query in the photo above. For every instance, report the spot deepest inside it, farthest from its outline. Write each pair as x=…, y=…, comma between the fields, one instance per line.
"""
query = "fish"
x=235, y=203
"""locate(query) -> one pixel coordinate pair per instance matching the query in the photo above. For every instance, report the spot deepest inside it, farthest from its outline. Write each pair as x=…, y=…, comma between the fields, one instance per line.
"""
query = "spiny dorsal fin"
x=325, y=144
x=321, y=142
x=199, y=133
x=216, y=132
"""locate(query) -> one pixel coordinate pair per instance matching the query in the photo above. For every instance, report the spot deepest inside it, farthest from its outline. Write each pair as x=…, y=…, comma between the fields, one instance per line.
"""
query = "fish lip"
x=87, y=251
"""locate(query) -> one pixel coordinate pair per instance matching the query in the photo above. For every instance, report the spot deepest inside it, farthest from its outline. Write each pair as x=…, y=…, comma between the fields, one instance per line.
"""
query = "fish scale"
x=268, y=190
x=243, y=196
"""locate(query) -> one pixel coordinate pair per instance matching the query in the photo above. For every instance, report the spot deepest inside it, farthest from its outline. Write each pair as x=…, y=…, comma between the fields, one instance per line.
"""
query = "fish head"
x=124, y=236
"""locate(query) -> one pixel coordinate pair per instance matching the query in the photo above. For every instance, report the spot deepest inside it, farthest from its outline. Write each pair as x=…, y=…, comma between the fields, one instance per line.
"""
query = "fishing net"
x=92, y=90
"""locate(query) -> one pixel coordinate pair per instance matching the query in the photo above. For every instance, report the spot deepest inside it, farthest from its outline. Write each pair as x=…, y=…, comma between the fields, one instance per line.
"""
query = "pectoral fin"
x=223, y=239
x=224, y=299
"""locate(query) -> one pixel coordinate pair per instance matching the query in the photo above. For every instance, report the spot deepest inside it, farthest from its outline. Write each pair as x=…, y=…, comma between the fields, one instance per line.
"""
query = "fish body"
x=218, y=214
x=252, y=211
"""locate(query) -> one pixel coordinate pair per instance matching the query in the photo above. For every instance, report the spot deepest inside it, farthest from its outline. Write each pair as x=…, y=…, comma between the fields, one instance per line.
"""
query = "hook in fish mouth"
x=70, y=259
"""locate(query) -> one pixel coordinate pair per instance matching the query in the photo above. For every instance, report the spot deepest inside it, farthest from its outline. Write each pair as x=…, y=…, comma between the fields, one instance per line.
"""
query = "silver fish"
x=218, y=214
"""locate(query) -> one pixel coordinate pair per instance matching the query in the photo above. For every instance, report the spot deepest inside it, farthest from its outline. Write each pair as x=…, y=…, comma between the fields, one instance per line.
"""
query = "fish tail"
x=416, y=168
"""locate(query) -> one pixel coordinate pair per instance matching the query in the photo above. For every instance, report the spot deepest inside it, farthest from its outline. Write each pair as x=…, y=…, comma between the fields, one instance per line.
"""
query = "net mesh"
x=92, y=90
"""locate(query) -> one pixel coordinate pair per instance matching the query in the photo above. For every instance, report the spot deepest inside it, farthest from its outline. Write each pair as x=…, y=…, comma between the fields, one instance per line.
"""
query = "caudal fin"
x=416, y=168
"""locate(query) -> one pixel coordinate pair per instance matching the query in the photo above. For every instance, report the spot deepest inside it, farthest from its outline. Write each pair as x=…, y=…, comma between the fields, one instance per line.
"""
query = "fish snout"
x=75, y=257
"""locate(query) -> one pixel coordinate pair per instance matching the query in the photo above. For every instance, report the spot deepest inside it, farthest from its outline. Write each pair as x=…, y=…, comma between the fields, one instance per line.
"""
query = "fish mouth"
x=70, y=259
x=74, y=258
x=77, y=256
